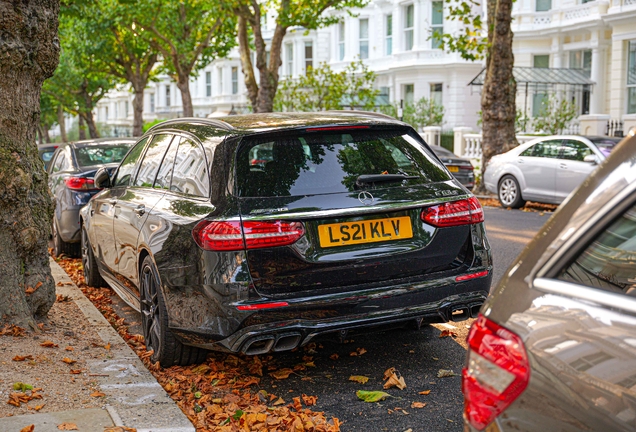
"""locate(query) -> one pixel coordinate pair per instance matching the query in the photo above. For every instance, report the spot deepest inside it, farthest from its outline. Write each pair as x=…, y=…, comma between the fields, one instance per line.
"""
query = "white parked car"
x=545, y=169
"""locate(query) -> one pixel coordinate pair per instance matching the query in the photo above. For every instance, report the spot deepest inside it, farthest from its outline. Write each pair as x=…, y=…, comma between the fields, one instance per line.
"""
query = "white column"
x=398, y=29
x=556, y=51
x=458, y=140
x=419, y=26
x=619, y=77
x=597, y=97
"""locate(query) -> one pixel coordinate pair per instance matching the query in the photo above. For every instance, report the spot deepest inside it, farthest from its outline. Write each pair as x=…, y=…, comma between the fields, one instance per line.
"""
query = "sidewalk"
x=134, y=398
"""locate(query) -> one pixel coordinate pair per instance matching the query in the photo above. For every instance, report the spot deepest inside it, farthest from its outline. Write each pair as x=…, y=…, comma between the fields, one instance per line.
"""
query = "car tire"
x=91, y=272
x=60, y=247
x=167, y=349
x=509, y=193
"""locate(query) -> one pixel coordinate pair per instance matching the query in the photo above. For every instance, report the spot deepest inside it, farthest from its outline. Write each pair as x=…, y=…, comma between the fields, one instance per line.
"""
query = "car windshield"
x=100, y=155
x=320, y=163
x=605, y=145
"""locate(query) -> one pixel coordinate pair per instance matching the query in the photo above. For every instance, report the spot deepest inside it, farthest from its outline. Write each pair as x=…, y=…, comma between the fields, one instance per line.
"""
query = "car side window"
x=607, y=262
x=190, y=175
x=164, y=176
x=545, y=149
x=127, y=168
x=59, y=160
x=575, y=150
x=152, y=160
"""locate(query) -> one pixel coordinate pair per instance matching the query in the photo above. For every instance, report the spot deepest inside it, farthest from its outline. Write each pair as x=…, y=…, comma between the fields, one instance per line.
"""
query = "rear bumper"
x=304, y=319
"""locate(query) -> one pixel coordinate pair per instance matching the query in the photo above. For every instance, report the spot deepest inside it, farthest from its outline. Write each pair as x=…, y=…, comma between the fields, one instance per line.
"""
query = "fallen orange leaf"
x=97, y=394
x=309, y=400
x=75, y=371
x=334, y=356
x=418, y=405
x=282, y=373
x=49, y=344
x=107, y=346
x=447, y=333
x=23, y=358
x=68, y=360
x=28, y=428
x=67, y=426
x=425, y=392
x=69, y=348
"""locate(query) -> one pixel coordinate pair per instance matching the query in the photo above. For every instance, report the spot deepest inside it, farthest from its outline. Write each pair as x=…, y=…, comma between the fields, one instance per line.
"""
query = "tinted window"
x=318, y=163
x=46, y=156
x=128, y=165
x=608, y=262
x=100, y=155
x=190, y=174
x=164, y=176
x=575, y=150
x=152, y=160
x=548, y=149
x=59, y=160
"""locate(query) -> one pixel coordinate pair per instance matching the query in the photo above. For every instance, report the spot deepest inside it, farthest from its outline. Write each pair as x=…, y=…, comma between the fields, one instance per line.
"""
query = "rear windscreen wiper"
x=376, y=178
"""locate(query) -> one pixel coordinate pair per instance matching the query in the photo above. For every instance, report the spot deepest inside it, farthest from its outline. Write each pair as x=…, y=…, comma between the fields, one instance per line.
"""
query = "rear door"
x=572, y=170
x=538, y=165
x=580, y=334
x=135, y=202
x=359, y=230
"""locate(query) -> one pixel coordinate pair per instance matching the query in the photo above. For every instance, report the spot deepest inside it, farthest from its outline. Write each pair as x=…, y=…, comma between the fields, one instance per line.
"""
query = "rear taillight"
x=496, y=374
x=467, y=167
x=79, y=183
x=228, y=235
x=454, y=213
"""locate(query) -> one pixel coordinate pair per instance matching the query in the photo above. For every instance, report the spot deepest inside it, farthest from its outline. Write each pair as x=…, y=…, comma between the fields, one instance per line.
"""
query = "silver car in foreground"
x=554, y=348
x=546, y=169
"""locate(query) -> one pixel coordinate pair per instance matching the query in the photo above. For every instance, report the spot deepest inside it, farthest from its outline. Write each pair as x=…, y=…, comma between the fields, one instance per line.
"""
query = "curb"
x=134, y=397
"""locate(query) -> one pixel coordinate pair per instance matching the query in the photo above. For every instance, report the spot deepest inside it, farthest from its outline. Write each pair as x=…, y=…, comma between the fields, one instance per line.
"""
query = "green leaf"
x=22, y=386
x=238, y=414
x=371, y=396
x=198, y=395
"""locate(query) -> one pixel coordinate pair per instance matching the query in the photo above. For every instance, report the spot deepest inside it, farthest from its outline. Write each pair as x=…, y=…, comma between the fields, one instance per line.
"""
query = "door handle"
x=140, y=210
x=520, y=161
x=562, y=165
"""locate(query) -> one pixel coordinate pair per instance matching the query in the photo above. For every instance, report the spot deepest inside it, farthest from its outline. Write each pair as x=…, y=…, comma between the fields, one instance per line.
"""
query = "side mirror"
x=102, y=178
x=593, y=159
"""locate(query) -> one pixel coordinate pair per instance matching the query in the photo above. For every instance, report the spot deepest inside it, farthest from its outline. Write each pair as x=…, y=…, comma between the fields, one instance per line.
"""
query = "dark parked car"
x=46, y=153
x=71, y=183
x=461, y=168
x=555, y=348
x=259, y=233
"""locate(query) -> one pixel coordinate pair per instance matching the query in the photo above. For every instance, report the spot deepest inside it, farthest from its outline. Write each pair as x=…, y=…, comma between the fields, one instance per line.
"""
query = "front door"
x=134, y=203
x=571, y=169
x=538, y=165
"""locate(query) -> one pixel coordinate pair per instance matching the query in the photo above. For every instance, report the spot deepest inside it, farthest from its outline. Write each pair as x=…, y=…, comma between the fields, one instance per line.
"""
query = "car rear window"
x=331, y=162
x=605, y=145
x=100, y=155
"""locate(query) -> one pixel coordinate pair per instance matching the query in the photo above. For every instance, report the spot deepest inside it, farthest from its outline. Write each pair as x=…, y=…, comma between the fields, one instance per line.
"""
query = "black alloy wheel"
x=60, y=247
x=167, y=350
x=89, y=263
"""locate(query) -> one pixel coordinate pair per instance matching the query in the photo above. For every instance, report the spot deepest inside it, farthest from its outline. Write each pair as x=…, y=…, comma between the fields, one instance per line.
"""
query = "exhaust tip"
x=287, y=342
x=258, y=345
x=474, y=310
x=459, y=313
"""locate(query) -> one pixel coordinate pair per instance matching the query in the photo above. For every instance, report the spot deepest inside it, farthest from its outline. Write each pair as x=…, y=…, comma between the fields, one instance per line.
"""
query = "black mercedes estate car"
x=257, y=233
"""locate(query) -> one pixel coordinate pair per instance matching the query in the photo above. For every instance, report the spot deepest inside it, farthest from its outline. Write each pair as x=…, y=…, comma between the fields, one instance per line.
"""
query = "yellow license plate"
x=367, y=231
x=453, y=169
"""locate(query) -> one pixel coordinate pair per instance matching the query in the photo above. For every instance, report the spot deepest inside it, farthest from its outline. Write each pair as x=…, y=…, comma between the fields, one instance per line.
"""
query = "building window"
x=220, y=89
x=436, y=93
x=437, y=23
x=105, y=113
x=364, y=38
x=208, y=84
x=409, y=12
x=234, y=80
x=543, y=5
x=289, y=53
x=152, y=103
x=168, y=95
x=309, y=55
x=126, y=108
x=341, y=41
x=408, y=93
x=389, y=34
x=582, y=60
x=541, y=61
x=631, y=79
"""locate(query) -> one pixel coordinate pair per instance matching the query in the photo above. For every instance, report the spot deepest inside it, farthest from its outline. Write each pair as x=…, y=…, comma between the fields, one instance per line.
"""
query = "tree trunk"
x=44, y=130
x=500, y=89
x=29, y=49
x=138, y=111
x=82, y=127
x=183, y=84
x=39, y=135
x=90, y=122
x=62, y=122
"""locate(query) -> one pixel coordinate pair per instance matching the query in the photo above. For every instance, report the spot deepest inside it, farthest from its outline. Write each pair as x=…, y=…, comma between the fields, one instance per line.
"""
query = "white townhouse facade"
x=393, y=37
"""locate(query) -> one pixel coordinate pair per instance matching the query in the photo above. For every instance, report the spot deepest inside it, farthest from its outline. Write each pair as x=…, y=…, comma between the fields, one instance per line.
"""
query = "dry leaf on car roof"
x=359, y=379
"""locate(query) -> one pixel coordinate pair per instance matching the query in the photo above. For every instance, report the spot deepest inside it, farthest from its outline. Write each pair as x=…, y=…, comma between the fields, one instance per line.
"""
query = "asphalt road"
x=416, y=355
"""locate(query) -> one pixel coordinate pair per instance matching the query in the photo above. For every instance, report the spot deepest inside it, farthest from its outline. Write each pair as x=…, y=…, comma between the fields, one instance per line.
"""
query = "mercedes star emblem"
x=365, y=198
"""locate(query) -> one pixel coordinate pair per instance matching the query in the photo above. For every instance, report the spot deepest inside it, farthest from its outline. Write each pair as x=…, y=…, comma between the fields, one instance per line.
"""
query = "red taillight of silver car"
x=497, y=372
x=228, y=235
x=79, y=183
x=454, y=213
